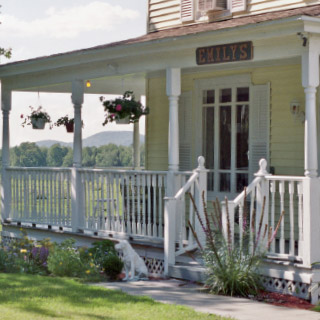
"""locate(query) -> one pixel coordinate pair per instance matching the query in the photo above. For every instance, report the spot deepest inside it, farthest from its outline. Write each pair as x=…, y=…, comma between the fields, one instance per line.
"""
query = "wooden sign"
x=240, y=51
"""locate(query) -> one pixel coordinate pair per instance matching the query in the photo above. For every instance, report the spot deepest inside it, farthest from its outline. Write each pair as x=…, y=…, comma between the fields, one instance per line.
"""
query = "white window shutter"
x=238, y=5
x=259, y=126
x=185, y=131
x=187, y=10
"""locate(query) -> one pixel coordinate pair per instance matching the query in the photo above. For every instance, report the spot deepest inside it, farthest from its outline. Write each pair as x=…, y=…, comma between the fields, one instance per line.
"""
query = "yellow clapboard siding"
x=286, y=134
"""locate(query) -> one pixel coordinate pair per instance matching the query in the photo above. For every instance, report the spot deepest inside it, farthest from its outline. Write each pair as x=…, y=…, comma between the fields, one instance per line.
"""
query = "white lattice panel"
x=296, y=288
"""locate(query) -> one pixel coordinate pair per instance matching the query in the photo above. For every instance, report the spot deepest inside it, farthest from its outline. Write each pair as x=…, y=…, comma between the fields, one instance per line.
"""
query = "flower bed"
x=24, y=255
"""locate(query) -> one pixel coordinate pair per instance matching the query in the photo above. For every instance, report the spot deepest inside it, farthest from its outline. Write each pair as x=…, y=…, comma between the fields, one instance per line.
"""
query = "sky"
x=35, y=28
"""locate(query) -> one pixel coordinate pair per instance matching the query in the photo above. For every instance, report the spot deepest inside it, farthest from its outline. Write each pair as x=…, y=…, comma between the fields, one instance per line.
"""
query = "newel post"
x=169, y=233
x=76, y=185
x=6, y=180
x=201, y=198
x=262, y=192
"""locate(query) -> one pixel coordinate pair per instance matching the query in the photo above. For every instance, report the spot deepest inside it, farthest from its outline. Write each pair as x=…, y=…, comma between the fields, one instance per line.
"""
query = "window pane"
x=209, y=137
x=242, y=137
x=225, y=95
x=242, y=181
x=225, y=137
x=242, y=94
x=225, y=182
x=210, y=181
x=208, y=96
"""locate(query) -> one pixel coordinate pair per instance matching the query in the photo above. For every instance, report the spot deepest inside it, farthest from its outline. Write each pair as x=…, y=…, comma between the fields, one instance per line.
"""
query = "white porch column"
x=311, y=185
x=171, y=216
x=310, y=82
x=77, y=100
x=76, y=192
x=173, y=93
x=6, y=182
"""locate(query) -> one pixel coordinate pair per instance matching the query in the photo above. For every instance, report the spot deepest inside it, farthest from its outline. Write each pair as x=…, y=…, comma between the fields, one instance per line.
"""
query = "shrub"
x=24, y=255
x=231, y=268
x=112, y=266
x=105, y=256
x=7, y=261
x=65, y=261
x=101, y=250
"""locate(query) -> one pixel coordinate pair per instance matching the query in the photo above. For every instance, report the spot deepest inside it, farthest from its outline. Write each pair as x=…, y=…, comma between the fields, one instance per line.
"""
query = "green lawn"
x=36, y=297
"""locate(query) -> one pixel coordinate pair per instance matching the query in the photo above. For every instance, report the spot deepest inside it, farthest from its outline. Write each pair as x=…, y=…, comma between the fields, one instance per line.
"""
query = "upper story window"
x=195, y=10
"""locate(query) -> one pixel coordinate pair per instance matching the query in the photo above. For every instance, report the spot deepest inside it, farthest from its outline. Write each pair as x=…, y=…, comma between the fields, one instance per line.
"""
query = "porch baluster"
x=160, y=184
x=139, y=228
x=154, y=216
x=273, y=186
x=291, y=210
x=282, y=236
x=144, y=217
x=149, y=205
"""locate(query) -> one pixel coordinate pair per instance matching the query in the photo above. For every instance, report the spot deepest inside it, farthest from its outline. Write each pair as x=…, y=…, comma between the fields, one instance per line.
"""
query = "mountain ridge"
x=120, y=138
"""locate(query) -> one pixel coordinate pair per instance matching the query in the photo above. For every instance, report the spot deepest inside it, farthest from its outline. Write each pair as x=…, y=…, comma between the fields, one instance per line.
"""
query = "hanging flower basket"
x=123, y=110
x=70, y=127
x=65, y=121
x=38, y=123
x=125, y=120
x=38, y=118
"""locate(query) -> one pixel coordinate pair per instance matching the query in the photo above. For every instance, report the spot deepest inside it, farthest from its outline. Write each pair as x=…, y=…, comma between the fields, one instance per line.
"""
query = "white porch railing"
x=124, y=201
x=131, y=202
x=179, y=210
x=280, y=194
x=41, y=196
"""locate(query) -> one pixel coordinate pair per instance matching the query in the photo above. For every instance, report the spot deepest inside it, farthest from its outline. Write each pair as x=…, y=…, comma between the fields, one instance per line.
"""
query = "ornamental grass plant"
x=232, y=266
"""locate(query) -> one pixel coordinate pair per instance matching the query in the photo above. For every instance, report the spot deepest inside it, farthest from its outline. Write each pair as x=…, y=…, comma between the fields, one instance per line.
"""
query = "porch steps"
x=191, y=271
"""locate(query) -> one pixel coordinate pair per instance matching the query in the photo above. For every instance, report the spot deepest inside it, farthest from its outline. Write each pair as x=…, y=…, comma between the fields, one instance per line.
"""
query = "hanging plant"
x=38, y=118
x=65, y=121
x=123, y=110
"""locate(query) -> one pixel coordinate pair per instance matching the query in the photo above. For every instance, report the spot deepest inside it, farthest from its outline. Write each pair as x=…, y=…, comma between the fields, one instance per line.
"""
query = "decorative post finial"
x=262, y=168
x=201, y=162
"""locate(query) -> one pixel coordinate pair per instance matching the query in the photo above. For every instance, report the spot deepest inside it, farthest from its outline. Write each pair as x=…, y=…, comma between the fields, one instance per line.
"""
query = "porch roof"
x=110, y=63
x=312, y=11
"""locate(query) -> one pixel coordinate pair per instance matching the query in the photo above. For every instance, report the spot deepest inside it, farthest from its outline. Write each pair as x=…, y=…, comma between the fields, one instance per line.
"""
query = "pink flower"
x=112, y=115
x=118, y=107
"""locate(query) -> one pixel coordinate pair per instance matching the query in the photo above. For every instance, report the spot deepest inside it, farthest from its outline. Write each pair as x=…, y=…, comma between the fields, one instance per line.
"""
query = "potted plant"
x=65, y=121
x=124, y=109
x=38, y=118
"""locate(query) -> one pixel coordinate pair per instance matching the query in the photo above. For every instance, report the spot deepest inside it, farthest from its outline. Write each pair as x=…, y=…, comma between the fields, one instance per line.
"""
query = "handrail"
x=249, y=189
x=185, y=188
x=286, y=178
x=38, y=169
x=122, y=171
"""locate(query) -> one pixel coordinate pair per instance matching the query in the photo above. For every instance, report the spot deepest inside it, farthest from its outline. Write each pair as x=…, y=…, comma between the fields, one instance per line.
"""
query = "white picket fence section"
x=41, y=195
x=124, y=201
x=280, y=194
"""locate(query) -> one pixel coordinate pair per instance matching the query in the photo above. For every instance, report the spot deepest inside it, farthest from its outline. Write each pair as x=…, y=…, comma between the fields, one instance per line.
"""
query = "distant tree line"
x=29, y=154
